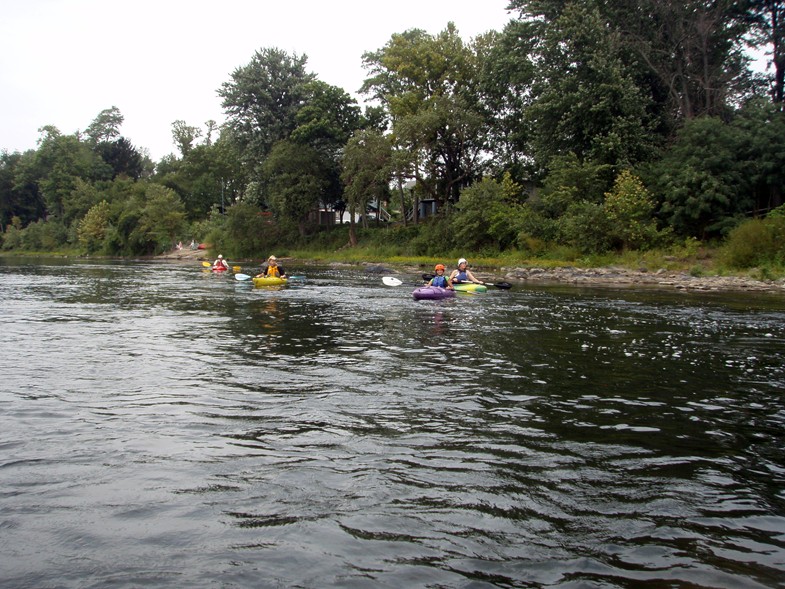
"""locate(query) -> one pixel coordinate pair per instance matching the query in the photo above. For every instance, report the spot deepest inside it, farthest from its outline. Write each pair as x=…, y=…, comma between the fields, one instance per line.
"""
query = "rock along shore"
x=609, y=276
x=614, y=276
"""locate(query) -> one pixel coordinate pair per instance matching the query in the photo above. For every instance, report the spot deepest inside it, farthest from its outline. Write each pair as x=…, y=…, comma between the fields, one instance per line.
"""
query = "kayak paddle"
x=234, y=268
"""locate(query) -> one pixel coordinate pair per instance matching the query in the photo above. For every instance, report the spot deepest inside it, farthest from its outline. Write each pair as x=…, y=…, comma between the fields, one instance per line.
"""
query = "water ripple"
x=164, y=427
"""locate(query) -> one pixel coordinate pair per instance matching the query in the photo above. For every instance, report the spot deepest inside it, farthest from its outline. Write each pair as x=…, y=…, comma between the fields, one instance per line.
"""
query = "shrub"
x=755, y=242
x=629, y=209
x=585, y=227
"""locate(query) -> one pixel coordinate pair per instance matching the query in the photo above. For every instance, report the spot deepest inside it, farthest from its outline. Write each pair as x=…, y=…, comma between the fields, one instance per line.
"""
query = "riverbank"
x=615, y=276
x=608, y=276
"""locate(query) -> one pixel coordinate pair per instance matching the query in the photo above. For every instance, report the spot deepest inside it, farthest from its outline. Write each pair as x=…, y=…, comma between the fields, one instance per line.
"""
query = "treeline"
x=589, y=125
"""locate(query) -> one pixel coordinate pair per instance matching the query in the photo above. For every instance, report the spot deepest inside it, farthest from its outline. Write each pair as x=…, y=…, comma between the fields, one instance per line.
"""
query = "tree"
x=427, y=84
x=263, y=98
x=366, y=173
x=506, y=77
x=629, y=209
x=184, y=136
x=20, y=196
x=325, y=122
x=701, y=183
x=60, y=160
x=327, y=117
x=161, y=220
x=122, y=157
x=761, y=127
x=584, y=100
x=106, y=126
x=770, y=33
x=487, y=215
x=92, y=228
x=687, y=54
x=296, y=181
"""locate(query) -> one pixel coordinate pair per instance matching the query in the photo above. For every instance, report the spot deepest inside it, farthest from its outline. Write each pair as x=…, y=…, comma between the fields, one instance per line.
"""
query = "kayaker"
x=271, y=268
x=440, y=279
x=462, y=274
x=220, y=263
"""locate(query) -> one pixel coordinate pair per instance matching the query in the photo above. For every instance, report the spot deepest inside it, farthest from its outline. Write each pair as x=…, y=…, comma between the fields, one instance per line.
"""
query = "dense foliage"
x=592, y=125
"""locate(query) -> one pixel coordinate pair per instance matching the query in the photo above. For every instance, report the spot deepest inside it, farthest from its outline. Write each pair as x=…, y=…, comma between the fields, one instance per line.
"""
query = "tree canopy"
x=593, y=124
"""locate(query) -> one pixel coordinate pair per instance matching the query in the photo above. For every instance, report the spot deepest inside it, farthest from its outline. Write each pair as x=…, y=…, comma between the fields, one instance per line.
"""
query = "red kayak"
x=219, y=269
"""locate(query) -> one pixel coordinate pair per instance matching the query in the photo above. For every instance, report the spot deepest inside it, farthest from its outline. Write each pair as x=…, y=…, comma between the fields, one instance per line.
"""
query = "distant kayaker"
x=440, y=279
x=462, y=274
x=220, y=263
x=271, y=268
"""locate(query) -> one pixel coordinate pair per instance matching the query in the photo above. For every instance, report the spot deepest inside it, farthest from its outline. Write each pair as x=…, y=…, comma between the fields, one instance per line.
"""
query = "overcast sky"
x=64, y=61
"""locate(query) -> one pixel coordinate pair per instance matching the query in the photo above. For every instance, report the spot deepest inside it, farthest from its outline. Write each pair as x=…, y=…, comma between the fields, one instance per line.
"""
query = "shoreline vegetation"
x=684, y=275
x=616, y=275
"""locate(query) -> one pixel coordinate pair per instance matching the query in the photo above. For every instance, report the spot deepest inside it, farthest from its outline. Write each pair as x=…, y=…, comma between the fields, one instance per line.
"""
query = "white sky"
x=64, y=61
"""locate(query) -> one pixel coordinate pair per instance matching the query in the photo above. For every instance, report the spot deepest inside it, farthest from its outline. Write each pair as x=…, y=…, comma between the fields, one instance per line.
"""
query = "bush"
x=486, y=216
x=755, y=242
x=629, y=209
x=433, y=238
x=585, y=227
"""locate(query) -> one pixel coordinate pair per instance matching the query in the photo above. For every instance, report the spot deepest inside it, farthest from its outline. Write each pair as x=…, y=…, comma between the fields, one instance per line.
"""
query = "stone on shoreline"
x=611, y=276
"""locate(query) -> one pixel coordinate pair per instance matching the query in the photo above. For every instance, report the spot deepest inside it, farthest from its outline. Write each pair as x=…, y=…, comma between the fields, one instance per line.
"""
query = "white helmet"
x=462, y=261
x=220, y=257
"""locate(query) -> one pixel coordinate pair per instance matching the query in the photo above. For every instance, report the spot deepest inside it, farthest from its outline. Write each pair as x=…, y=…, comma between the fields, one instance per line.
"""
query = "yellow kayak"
x=268, y=281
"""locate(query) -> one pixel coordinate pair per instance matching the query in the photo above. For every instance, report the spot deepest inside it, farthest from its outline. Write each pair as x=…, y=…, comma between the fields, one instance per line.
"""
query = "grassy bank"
x=692, y=258
x=698, y=261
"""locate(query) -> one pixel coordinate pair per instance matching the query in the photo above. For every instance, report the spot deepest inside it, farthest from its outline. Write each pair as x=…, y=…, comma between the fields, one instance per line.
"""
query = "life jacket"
x=461, y=276
x=272, y=271
x=439, y=281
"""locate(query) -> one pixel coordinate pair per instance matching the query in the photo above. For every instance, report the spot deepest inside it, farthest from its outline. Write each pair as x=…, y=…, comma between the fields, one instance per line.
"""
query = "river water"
x=164, y=427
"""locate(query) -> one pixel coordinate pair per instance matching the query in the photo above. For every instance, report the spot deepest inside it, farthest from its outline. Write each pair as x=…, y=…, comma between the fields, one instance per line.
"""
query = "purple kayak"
x=432, y=292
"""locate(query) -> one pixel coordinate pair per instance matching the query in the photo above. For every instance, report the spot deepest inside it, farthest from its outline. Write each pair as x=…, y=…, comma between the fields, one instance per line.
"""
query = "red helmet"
x=439, y=267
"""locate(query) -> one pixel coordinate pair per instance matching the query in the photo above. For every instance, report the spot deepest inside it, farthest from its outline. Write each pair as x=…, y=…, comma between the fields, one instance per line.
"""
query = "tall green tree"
x=105, y=127
x=20, y=196
x=701, y=182
x=296, y=181
x=427, y=83
x=689, y=54
x=60, y=161
x=583, y=98
x=770, y=36
x=161, y=220
x=262, y=100
x=122, y=157
x=185, y=136
x=325, y=122
x=366, y=173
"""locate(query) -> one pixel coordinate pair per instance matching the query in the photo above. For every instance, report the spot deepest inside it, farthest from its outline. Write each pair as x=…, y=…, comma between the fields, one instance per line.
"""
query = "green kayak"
x=469, y=287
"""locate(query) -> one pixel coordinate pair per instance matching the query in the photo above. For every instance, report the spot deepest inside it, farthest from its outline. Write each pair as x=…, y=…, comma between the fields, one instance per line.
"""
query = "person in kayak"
x=271, y=268
x=462, y=274
x=440, y=279
x=220, y=263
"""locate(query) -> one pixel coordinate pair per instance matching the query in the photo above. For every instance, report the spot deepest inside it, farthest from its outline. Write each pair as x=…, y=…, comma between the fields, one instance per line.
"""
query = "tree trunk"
x=352, y=230
x=403, y=200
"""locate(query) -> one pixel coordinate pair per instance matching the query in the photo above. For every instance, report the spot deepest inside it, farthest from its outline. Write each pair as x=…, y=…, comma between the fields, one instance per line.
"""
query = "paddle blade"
x=391, y=281
x=242, y=277
x=207, y=264
x=504, y=285
x=236, y=269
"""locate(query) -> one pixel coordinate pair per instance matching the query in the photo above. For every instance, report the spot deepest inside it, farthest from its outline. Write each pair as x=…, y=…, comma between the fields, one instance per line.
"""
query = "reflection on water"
x=165, y=427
